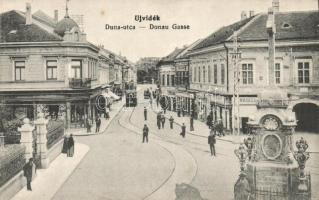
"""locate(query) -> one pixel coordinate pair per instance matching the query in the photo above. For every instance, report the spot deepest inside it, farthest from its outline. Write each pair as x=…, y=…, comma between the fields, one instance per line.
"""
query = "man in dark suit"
x=158, y=120
x=212, y=142
x=145, y=133
x=183, y=130
x=29, y=172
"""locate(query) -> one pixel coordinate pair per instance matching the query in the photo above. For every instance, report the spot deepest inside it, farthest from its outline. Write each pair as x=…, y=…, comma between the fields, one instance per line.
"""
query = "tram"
x=131, y=98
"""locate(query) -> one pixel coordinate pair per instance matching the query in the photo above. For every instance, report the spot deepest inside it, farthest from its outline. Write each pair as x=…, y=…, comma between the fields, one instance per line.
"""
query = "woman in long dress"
x=70, y=146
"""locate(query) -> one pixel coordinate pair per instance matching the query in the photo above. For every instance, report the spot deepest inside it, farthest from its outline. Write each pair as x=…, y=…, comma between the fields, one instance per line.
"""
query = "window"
x=303, y=72
x=195, y=74
x=204, y=74
x=173, y=82
x=19, y=70
x=52, y=66
x=215, y=74
x=209, y=74
x=167, y=78
x=163, y=79
x=247, y=71
x=277, y=73
x=199, y=74
x=76, y=69
x=222, y=75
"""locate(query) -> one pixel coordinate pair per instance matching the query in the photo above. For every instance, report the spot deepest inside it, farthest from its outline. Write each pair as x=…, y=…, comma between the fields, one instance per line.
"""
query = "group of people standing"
x=68, y=145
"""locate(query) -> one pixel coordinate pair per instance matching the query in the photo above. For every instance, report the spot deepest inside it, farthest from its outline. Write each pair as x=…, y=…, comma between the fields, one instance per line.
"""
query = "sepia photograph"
x=159, y=100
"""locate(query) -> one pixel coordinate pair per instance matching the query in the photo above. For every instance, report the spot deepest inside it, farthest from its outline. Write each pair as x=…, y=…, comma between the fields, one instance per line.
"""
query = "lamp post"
x=215, y=106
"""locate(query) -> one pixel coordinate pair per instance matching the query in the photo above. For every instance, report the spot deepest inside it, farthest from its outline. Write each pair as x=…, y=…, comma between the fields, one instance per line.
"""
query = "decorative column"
x=41, y=124
x=26, y=137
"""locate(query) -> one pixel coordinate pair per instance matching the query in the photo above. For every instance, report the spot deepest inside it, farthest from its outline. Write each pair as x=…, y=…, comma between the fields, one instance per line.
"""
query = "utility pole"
x=236, y=56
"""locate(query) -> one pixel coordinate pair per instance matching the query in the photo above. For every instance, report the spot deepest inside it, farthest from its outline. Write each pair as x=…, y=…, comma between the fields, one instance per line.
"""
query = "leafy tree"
x=8, y=123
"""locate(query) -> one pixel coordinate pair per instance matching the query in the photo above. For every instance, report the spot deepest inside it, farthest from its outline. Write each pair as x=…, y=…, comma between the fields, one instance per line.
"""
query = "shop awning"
x=106, y=95
x=114, y=96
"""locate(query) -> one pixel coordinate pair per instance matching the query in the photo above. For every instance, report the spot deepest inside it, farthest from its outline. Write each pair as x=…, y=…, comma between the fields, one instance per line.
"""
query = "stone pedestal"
x=41, y=124
x=27, y=138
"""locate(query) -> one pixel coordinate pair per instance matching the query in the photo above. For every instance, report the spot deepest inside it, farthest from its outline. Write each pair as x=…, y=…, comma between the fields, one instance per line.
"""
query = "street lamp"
x=215, y=101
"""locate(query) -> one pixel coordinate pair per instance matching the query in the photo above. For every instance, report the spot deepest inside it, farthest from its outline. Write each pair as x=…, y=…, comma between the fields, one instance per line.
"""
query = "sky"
x=203, y=16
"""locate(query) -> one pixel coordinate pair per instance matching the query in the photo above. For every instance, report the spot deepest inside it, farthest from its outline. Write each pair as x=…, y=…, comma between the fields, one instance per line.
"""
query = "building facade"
x=295, y=72
x=51, y=68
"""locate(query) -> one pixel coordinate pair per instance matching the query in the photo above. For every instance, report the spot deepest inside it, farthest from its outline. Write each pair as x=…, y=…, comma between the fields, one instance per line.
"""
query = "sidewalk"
x=202, y=130
x=48, y=181
x=115, y=109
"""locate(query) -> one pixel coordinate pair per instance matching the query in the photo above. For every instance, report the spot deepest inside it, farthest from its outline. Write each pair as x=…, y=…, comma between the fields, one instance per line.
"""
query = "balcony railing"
x=272, y=103
x=76, y=83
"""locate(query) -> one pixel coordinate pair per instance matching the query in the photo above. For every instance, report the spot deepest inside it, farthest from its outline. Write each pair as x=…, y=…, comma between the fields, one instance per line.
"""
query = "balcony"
x=272, y=103
x=83, y=83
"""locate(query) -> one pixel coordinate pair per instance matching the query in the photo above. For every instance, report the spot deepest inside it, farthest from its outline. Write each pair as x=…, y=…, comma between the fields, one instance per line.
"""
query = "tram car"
x=131, y=98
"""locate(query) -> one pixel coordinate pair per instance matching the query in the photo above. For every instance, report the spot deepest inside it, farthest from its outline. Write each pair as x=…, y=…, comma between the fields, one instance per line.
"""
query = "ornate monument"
x=273, y=170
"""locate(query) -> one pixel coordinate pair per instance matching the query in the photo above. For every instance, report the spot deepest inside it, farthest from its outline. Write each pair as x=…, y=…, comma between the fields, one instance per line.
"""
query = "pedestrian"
x=98, y=124
x=209, y=120
x=29, y=170
x=183, y=111
x=211, y=142
x=163, y=120
x=158, y=120
x=157, y=100
x=65, y=144
x=183, y=130
x=179, y=112
x=145, y=133
x=191, y=123
x=145, y=114
x=70, y=151
x=171, y=121
x=88, y=125
x=151, y=101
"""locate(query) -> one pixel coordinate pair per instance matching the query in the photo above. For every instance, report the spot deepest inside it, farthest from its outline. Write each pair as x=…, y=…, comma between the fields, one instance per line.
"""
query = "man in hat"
x=29, y=172
x=212, y=142
x=183, y=133
x=145, y=113
x=145, y=133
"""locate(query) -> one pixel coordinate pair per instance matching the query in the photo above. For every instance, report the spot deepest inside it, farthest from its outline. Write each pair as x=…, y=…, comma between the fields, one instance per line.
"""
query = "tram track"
x=149, y=196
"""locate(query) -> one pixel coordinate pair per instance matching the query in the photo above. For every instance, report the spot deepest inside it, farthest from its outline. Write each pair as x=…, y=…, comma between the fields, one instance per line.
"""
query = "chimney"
x=243, y=15
x=251, y=13
x=56, y=16
x=271, y=30
x=28, y=16
x=275, y=5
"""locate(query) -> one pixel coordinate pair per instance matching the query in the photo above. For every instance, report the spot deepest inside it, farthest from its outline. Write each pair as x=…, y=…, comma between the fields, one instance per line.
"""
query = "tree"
x=8, y=123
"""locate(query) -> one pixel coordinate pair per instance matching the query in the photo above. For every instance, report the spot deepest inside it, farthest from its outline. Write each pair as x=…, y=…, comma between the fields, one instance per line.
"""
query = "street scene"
x=218, y=105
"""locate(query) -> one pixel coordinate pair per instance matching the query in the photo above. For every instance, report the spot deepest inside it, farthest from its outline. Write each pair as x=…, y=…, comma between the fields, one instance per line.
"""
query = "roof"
x=222, y=34
x=300, y=25
x=14, y=29
x=171, y=57
x=66, y=24
x=44, y=18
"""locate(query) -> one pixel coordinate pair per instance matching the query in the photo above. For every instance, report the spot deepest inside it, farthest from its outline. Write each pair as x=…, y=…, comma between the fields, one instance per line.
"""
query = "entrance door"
x=307, y=115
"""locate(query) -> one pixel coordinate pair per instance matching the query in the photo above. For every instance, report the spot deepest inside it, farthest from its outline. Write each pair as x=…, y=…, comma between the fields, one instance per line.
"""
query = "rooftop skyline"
x=203, y=16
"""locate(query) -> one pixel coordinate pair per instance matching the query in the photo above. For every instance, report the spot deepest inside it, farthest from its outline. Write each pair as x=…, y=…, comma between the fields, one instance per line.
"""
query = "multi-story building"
x=166, y=77
x=48, y=66
x=296, y=69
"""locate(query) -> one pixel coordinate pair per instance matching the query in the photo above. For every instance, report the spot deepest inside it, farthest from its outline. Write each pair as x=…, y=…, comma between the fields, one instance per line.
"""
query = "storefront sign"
x=248, y=100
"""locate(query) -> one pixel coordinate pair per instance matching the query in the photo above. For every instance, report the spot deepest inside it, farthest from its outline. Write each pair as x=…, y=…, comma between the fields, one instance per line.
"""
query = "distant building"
x=148, y=67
